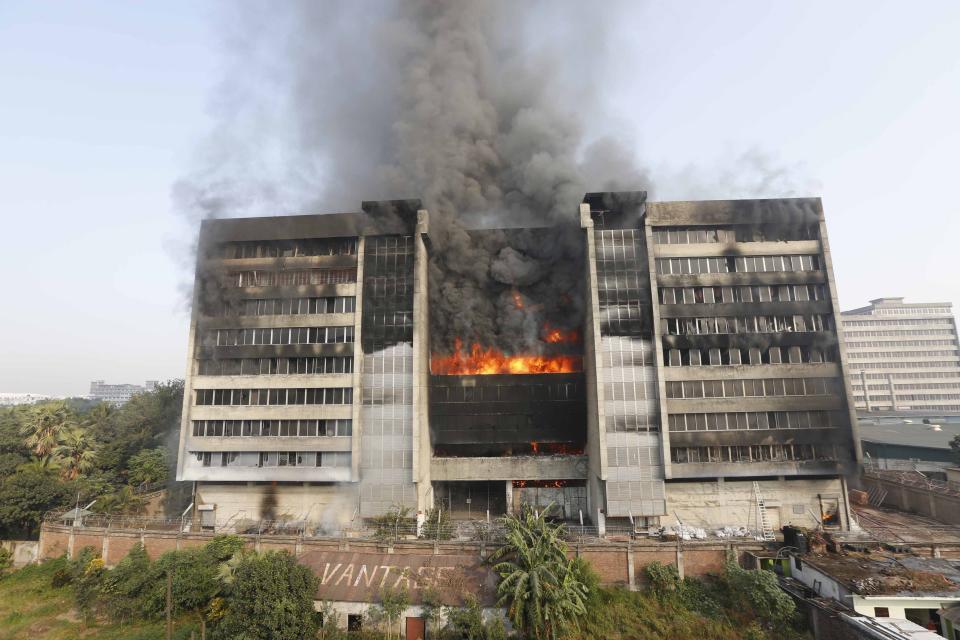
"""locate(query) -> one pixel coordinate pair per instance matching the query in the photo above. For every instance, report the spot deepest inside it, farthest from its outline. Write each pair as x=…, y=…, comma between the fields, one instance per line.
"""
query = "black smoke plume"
x=464, y=105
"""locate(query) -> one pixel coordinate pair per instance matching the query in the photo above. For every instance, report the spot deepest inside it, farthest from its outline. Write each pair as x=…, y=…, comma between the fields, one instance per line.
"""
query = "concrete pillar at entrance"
x=509, y=495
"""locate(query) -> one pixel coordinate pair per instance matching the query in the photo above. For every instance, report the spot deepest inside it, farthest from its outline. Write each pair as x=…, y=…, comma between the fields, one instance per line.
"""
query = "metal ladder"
x=765, y=529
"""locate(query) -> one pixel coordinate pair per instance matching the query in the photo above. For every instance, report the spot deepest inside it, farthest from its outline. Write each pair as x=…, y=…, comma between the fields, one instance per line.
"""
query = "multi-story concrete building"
x=117, y=393
x=709, y=372
x=903, y=356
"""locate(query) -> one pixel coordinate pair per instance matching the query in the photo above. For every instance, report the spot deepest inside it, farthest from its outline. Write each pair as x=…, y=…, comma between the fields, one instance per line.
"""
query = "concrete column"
x=422, y=449
x=866, y=391
x=105, y=554
x=893, y=393
x=844, y=505
x=70, y=542
x=679, y=558
x=509, y=495
x=357, y=369
x=631, y=581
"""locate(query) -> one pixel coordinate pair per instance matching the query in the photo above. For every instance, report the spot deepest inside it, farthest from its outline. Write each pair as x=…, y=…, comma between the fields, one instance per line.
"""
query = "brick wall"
x=610, y=560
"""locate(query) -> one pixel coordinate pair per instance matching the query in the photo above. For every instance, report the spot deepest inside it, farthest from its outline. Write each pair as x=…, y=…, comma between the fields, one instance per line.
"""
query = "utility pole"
x=169, y=607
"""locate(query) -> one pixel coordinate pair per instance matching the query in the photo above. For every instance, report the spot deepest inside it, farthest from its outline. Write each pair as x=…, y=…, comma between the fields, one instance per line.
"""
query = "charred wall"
x=496, y=415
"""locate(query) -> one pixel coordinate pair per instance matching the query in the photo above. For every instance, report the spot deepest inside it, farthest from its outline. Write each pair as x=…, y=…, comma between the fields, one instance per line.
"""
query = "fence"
x=382, y=529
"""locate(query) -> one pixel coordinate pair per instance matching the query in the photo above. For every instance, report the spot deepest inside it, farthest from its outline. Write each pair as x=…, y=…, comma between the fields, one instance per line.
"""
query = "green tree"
x=44, y=466
x=432, y=609
x=45, y=425
x=122, y=501
x=393, y=602
x=148, y=466
x=75, y=453
x=25, y=497
x=146, y=421
x=539, y=584
x=195, y=578
x=13, y=449
x=271, y=597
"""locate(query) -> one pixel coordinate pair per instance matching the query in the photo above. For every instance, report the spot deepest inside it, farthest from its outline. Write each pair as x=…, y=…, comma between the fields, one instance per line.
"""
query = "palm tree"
x=539, y=585
x=75, y=453
x=48, y=464
x=99, y=416
x=123, y=501
x=45, y=425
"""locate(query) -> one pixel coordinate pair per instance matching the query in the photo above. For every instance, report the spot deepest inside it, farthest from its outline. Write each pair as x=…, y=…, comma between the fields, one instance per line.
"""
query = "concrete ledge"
x=735, y=372
x=791, y=247
x=272, y=443
x=752, y=469
x=510, y=468
x=264, y=474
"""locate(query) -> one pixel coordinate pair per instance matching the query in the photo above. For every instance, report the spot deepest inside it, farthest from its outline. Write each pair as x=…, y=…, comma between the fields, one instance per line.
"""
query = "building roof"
x=892, y=628
x=890, y=575
x=914, y=434
x=880, y=303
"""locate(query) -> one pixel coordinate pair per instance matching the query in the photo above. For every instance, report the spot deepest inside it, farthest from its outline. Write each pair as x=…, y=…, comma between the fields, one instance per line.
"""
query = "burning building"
x=646, y=362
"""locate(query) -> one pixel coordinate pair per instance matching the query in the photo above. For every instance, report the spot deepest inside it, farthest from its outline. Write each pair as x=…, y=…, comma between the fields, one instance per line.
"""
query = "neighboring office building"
x=905, y=354
x=11, y=399
x=710, y=363
x=117, y=393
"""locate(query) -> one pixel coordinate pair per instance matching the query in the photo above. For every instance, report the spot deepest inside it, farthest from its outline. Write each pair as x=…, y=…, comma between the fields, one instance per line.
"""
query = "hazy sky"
x=102, y=105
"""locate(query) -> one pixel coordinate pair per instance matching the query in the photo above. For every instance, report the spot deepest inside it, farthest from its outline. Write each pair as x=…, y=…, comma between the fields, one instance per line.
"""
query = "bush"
x=394, y=523
x=6, y=560
x=270, y=597
x=87, y=587
x=436, y=525
x=124, y=586
x=758, y=592
x=664, y=578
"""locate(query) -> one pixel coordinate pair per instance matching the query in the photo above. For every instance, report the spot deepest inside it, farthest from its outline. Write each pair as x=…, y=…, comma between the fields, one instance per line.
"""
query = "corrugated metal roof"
x=916, y=434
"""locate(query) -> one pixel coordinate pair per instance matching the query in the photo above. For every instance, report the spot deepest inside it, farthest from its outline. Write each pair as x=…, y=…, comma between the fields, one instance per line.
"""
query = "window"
x=881, y=612
x=250, y=397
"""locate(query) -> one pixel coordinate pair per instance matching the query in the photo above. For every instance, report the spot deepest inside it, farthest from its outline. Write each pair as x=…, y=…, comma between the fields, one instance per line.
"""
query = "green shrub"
x=6, y=559
x=663, y=578
x=758, y=592
x=270, y=597
x=436, y=525
x=124, y=586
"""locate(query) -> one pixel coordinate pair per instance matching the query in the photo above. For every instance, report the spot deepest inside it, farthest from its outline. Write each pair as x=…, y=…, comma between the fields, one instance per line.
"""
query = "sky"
x=103, y=106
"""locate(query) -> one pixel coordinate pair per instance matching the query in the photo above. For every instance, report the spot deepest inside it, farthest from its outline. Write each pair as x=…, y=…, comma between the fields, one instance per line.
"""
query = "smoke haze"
x=482, y=109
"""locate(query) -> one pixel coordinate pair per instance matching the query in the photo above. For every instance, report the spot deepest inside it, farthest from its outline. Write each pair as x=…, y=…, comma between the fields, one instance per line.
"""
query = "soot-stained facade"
x=693, y=363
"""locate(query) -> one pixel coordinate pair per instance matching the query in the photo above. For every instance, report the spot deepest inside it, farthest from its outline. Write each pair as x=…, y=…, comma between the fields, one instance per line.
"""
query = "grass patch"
x=32, y=609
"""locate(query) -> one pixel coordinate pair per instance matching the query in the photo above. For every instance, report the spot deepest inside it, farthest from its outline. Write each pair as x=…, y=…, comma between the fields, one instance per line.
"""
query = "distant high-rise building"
x=903, y=356
x=117, y=393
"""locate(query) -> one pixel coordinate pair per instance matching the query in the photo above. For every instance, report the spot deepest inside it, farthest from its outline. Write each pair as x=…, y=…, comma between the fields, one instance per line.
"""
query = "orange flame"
x=556, y=336
x=517, y=299
x=543, y=484
x=480, y=361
